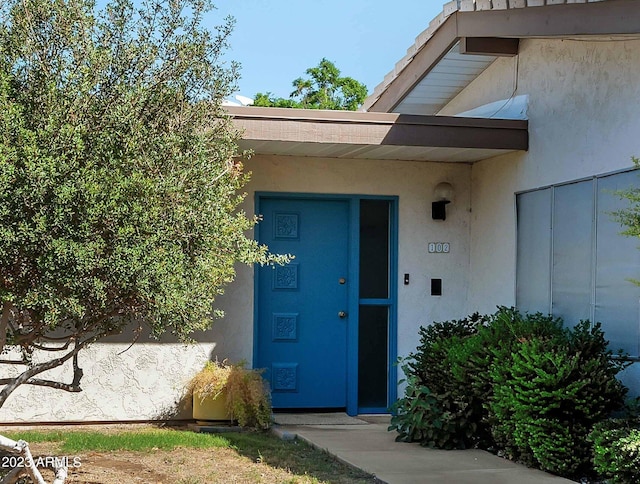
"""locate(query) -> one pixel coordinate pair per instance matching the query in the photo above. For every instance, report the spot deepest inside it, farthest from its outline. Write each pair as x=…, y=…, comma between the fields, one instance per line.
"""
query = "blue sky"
x=277, y=40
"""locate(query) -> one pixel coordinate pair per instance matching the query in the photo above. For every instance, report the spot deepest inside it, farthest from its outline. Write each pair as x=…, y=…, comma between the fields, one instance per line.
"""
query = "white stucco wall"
x=143, y=382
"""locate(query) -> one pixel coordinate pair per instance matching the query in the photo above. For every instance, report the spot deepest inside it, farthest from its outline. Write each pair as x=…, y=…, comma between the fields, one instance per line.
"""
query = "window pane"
x=618, y=260
x=572, y=251
x=372, y=356
x=374, y=249
x=534, y=251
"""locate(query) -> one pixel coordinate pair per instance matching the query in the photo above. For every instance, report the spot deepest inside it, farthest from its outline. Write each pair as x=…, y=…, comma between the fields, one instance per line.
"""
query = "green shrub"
x=520, y=384
x=497, y=345
x=472, y=361
x=616, y=450
x=435, y=410
x=438, y=420
x=448, y=377
x=550, y=393
x=427, y=359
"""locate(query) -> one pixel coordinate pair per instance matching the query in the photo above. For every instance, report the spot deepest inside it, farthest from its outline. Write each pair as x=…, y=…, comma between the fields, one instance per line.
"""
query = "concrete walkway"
x=372, y=448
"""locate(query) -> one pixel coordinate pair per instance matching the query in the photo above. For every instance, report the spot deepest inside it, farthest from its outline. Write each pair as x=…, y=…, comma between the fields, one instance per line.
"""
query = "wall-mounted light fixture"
x=442, y=195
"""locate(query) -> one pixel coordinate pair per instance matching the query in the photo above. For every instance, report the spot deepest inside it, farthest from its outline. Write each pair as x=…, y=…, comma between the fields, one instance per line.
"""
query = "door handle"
x=342, y=314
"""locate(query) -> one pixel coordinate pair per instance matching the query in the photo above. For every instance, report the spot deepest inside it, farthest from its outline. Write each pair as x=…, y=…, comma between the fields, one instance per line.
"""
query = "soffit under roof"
x=360, y=135
x=434, y=70
x=448, y=77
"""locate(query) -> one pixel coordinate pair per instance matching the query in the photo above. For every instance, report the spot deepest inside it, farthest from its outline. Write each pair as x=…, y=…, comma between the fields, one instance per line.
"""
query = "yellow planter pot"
x=210, y=409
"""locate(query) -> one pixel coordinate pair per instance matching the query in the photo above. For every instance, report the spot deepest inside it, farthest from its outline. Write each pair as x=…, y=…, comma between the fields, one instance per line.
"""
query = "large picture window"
x=573, y=261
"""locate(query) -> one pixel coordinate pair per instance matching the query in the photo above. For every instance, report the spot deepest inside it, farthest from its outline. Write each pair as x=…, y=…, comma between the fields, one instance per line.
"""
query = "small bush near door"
x=520, y=385
x=436, y=410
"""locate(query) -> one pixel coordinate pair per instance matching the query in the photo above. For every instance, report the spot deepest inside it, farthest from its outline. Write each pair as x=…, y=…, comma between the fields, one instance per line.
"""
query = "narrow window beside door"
x=373, y=327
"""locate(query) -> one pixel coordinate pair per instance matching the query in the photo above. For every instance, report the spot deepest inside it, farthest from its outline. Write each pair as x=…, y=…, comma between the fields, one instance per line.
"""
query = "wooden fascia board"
x=613, y=17
x=457, y=137
x=398, y=130
x=493, y=46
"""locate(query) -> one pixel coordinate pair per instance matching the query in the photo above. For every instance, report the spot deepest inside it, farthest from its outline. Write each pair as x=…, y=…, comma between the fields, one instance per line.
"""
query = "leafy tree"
x=119, y=181
x=324, y=89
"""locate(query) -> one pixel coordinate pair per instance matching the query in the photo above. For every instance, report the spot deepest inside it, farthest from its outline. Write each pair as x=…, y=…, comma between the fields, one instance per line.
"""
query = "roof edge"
x=373, y=118
x=500, y=18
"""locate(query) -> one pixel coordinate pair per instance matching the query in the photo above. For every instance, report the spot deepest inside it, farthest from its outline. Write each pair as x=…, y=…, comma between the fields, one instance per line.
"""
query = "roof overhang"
x=362, y=135
x=441, y=64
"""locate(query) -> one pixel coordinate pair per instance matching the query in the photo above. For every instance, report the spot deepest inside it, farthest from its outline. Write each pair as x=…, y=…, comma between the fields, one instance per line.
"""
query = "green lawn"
x=139, y=440
x=244, y=457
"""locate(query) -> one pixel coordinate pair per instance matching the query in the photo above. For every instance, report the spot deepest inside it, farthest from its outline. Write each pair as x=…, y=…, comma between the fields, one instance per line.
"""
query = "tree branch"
x=14, y=362
x=4, y=323
x=59, y=348
x=68, y=387
x=135, y=340
x=26, y=376
x=31, y=335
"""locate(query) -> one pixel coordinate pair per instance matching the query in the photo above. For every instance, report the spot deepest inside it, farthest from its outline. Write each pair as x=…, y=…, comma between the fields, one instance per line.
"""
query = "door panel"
x=302, y=339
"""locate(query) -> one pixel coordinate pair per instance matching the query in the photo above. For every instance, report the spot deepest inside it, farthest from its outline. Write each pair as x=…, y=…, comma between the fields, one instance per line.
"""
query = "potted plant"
x=224, y=391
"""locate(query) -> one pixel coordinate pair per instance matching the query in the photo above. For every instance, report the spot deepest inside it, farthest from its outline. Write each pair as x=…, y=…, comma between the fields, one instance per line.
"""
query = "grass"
x=292, y=457
x=136, y=441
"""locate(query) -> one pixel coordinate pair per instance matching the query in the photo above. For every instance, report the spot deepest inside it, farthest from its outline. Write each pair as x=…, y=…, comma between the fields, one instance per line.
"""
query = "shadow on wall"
x=142, y=334
x=182, y=409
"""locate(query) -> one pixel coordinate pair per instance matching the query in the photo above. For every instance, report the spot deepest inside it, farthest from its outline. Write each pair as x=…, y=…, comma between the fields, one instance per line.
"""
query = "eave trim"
x=605, y=18
x=375, y=129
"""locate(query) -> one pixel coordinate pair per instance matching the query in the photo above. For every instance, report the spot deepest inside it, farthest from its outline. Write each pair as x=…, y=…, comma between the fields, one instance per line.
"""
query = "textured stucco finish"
x=144, y=381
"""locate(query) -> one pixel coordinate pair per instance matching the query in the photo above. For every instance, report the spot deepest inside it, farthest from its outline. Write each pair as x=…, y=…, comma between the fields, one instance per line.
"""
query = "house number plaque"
x=439, y=247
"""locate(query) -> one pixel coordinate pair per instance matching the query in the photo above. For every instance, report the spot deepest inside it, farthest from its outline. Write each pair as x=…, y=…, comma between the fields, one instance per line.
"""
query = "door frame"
x=353, y=244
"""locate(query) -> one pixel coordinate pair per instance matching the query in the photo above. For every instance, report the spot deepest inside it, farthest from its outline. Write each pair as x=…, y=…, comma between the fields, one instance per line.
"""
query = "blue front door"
x=302, y=308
